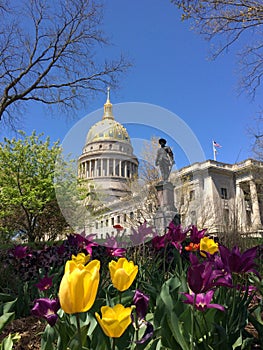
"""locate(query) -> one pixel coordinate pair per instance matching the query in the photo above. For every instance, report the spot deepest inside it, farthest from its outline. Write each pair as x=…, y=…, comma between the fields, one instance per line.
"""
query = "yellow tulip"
x=208, y=245
x=79, y=286
x=81, y=258
x=123, y=273
x=114, y=321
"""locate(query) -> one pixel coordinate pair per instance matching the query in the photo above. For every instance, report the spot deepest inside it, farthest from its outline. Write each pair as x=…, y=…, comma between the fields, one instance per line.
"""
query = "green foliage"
x=7, y=305
x=28, y=206
x=169, y=316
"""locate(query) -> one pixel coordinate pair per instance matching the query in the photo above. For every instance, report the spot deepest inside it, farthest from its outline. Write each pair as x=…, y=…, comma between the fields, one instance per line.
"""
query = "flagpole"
x=214, y=150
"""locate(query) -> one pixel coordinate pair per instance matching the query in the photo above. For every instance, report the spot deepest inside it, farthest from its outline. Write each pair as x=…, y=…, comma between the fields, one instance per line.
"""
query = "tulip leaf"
x=238, y=342
x=73, y=344
x=257, y=322
x=8, y=306
x=155, y=344
x=48, y=338
x=177, y=330
x=7, y=343
x=5, y=297
x=5, y=319
x=98, y=340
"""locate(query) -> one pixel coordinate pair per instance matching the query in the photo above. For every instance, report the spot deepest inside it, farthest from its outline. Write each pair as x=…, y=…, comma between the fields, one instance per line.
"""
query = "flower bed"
x=182, y=290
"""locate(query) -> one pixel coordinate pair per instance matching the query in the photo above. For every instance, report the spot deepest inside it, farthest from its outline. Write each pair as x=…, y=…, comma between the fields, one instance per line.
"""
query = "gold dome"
x=107, y=129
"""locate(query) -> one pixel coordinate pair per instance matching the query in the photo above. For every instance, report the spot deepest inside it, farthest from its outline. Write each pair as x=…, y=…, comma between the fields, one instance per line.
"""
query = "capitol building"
x=110, y=169
x=211, y=194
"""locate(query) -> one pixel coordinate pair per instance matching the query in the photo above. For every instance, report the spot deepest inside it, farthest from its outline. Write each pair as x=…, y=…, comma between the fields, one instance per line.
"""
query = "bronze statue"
x=164, y=159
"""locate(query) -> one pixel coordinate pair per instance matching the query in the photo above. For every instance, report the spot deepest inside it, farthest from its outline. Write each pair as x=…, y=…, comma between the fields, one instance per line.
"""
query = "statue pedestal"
x=166, y=211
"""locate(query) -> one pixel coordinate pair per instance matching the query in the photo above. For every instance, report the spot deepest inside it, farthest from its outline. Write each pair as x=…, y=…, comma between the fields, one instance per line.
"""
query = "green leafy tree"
x=28, y=206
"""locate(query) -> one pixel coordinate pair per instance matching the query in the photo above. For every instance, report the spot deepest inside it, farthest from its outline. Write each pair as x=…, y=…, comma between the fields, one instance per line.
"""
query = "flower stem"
x=79, y=331
x=113, y=344
x=192, y=324
x=164, y=259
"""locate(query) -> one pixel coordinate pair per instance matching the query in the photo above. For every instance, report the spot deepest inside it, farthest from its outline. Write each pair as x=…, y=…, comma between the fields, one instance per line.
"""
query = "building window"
x=107, y=222
x=224, y=193
x=131, y=215
x=248, y=217
x=112, y=221
x=97, y=225
x=110, y=146
x=118, y=219
x=124, y=217
x=101, y=224
x=192, y=195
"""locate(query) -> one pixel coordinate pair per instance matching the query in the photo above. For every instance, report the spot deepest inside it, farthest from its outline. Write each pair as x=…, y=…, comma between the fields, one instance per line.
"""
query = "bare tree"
x=228, y=21
x=48, y=54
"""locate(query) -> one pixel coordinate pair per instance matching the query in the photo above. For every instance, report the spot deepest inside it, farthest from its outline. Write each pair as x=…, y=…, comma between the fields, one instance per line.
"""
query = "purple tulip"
x=20, y=252
x=61, y=249
x=46, y=308
x=204, y=276
x=141, y=301
x=45, y=283
x=159, y=242
x=118, y=252
x=176, y=235
x=238, y=262
x=82, y=242
x=196, y=235
x=201, y=301
x=147, y=334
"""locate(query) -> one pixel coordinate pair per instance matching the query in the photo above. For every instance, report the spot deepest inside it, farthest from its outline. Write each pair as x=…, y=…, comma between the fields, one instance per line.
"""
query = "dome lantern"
x=108, y=107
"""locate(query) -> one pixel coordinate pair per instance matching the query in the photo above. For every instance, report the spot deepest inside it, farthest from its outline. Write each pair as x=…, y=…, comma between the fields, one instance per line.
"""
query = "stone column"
x=114, y=167
x=241, y=210
x=95, y=167
x=99, y=167
x=256, y=222
x=119, y=172
x=108, y=167
x=85, y=169
x=89, y=168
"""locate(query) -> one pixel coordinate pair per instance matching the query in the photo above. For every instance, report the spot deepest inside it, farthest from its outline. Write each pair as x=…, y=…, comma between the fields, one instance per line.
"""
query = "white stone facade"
x=220, y=196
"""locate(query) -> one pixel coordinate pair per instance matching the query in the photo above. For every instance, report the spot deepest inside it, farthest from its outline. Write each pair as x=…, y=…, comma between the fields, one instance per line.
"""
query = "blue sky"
x=170, y=69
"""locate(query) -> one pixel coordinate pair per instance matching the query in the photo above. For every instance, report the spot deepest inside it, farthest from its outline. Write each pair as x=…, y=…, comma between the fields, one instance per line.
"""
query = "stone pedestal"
x=166, y=210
